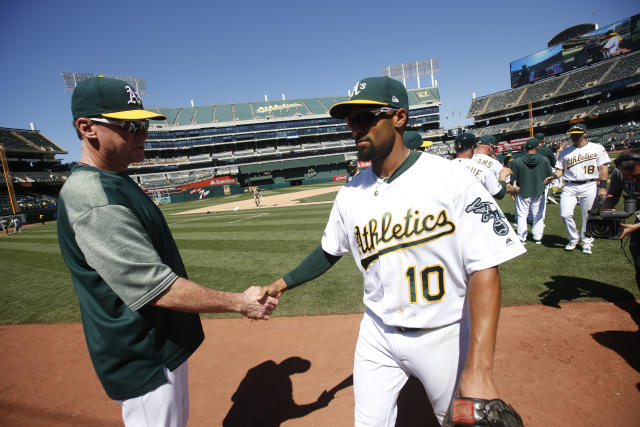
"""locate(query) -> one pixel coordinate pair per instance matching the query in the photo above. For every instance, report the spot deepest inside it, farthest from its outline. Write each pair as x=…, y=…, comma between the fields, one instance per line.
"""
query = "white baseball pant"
x=385, y=357
x=530, y=206
x=167, y=405
x=572, y=194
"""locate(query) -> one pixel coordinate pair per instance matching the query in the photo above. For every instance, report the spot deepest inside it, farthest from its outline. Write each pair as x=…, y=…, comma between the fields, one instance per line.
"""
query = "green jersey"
x=121, y=255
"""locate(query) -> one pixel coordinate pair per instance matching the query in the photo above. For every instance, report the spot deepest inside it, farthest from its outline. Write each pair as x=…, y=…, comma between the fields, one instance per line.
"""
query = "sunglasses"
x=369, y=116
x=132, y=126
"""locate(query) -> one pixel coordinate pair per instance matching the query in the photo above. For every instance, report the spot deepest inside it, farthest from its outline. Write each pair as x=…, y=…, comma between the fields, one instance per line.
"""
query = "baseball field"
x=567, y=346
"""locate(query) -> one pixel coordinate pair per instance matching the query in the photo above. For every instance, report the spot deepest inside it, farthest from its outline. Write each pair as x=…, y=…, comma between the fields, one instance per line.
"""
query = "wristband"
x=602, y=184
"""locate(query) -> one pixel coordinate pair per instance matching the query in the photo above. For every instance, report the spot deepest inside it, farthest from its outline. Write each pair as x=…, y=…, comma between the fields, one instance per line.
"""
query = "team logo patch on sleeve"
x=489, y=212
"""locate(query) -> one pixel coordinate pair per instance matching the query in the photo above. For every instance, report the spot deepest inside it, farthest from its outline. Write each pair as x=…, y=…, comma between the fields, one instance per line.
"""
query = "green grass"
x=233, y=250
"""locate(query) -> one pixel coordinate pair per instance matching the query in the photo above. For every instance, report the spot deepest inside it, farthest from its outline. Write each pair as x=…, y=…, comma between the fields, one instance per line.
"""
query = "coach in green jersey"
x=139, y=310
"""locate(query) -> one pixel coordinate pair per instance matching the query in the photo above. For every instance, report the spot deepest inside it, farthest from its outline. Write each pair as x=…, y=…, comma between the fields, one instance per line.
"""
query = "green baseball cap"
x=106, y=97
x=353, y=163
x=465, y=140
x=539, y=136
x=578, y=128
x=487, y=140
x=374, y=91
x=531, y=143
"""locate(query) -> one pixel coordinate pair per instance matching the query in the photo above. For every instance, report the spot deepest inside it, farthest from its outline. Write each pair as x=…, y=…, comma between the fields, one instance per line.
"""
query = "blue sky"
x=223, y=52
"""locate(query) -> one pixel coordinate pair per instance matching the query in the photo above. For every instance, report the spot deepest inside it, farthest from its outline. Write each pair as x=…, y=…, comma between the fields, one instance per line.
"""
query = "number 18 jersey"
x=582, y=163
x=417, y=236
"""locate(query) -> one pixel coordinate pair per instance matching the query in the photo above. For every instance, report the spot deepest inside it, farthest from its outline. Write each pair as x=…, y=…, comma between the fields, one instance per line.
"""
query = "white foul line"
x=251, y=217
x=211, y=216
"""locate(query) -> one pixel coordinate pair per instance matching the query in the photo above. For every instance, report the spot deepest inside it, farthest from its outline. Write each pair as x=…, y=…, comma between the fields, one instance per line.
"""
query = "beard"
x=372, y=152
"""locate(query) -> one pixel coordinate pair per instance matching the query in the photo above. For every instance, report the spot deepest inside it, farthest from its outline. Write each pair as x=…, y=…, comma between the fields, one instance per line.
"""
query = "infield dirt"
x=575, y=365
x=279, y=200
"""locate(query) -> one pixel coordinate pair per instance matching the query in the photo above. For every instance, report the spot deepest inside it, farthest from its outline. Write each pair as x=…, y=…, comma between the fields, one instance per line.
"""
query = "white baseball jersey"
x=489, y=162
x=580, y=164
x=417, y=236
x=482, y=174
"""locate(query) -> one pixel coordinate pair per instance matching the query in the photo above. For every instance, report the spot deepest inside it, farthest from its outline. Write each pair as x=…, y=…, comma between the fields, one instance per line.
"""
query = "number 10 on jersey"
x=431, y=283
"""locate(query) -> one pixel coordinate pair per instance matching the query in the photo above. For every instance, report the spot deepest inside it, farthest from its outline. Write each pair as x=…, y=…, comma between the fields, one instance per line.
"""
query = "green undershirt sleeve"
x=314, y=265
x=500, y=194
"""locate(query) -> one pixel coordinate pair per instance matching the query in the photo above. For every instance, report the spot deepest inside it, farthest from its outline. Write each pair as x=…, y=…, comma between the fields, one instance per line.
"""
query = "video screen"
x=606, y=42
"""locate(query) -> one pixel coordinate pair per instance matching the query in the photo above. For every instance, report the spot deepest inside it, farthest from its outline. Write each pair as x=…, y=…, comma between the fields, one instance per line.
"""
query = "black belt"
x=404, y=330
x=580, y=182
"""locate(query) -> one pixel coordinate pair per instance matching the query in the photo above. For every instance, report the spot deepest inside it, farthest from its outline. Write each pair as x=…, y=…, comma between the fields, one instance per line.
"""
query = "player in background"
x=413, y=140
x=428, y=239
x=485, y=154
x=584, y=167
x=547, y=152
x=257, y=195
x=530, y=172
x=465, y=145
x=352, y=168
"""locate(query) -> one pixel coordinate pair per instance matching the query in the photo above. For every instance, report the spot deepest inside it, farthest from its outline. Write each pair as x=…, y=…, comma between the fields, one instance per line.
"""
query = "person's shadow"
x=264, y=398
x=625, y=343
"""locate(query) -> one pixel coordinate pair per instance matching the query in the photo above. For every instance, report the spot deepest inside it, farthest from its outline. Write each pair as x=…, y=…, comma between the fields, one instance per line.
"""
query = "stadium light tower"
x=413, y=69
x=71, y=80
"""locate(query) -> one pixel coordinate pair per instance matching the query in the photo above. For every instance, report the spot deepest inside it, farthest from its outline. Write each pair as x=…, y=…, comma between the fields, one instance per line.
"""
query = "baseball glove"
x=467, y=412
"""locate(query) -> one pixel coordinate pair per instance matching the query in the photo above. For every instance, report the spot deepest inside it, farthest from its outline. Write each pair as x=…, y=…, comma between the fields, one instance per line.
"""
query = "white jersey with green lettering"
x=483, y=174
x=488, y=162
x=417, y=236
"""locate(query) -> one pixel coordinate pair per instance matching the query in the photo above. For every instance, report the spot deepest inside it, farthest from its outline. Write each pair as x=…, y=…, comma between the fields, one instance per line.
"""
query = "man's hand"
x=628, y=229
x=549, y=179
x=516, y=189
x=276, y=289
x=504, y=173
x=256, y=304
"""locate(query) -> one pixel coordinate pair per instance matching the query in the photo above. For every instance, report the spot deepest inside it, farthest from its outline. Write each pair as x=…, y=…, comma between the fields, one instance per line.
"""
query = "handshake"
x=259, y=302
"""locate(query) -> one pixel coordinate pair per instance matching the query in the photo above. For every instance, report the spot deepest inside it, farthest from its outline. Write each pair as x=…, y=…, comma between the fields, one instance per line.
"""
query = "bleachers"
x=538, y=90
x=27, y=141
x=503, y=100
x=578, y=80
x=626, y=66
x=476, y=106
x=199, y=158
x=574, y=81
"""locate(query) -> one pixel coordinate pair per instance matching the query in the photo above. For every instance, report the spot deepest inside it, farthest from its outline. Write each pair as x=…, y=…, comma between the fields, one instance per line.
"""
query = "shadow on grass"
x=625, y=343
x=553, y=241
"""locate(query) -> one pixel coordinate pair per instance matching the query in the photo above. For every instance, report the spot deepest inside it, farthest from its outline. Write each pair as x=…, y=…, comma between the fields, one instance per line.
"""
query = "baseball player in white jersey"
x=465, y=145
x=584, y=168
x=432, y=293
x=483, y=152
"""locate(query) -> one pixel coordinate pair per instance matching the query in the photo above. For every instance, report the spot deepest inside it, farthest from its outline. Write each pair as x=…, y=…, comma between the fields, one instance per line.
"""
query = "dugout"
x=293, y=172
